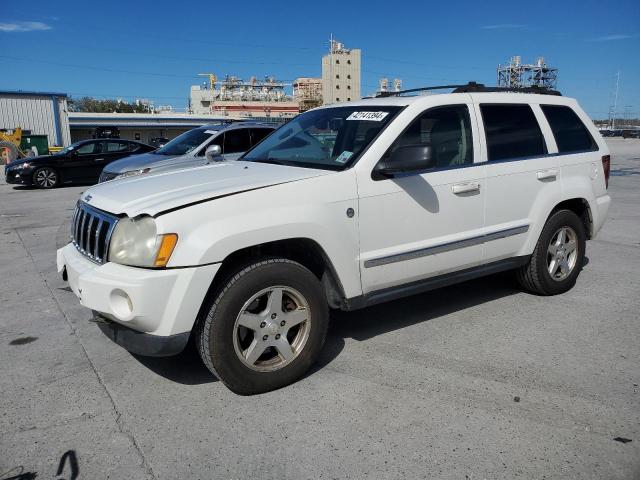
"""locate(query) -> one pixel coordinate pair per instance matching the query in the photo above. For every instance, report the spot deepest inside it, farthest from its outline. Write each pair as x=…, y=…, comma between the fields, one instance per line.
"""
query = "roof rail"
x=473, y=87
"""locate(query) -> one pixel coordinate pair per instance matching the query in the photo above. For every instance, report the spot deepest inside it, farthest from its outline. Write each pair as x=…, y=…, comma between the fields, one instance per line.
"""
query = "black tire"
x=46, y=177
x=8, y=152
x=216, y=332
x=535, y=276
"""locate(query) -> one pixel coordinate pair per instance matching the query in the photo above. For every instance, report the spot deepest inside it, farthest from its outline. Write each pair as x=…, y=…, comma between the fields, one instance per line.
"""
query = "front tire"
x=45, y=177
x=264, y=327
x=558, y=257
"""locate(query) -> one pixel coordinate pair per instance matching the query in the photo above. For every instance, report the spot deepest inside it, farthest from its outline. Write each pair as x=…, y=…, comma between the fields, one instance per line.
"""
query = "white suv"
x=345, y=206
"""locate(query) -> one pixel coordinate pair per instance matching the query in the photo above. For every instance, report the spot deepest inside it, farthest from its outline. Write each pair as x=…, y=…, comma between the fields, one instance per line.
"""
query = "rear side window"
x=512, y=132
x=113, y=147
x=236, y=141
x=570, y=133
x=257, y=134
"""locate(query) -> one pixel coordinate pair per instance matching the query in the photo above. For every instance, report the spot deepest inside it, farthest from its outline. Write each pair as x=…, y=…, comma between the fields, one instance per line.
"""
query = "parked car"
x=81, y=162
x=158, y=142
x=190, y=149
x=631, y=133
x=344, y=207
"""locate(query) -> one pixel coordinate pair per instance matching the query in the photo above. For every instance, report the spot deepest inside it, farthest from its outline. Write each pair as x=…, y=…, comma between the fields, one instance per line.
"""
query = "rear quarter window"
x=570, y=133
x=512, y=132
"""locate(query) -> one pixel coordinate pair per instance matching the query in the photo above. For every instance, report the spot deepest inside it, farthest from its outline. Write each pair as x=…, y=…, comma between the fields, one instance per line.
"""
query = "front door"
x=417, y=226
x=80, y=165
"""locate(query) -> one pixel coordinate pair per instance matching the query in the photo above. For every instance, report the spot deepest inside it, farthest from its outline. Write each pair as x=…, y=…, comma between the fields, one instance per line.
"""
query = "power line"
x=100, y=69
x=181, y=58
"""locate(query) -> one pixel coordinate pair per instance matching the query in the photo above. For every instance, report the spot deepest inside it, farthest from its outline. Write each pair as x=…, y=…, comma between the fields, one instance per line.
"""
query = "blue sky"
x=155, y=49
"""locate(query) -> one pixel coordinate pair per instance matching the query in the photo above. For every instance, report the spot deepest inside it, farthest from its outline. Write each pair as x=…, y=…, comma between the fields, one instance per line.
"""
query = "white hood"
x=152, y=194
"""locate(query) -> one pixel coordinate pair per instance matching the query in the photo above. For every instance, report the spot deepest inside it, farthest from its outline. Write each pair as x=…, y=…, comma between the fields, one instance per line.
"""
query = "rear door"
x=112, y=150
x=522, y=177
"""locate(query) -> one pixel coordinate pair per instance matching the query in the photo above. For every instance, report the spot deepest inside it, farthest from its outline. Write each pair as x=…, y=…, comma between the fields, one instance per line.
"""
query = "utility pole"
x=615, y=102
x=330, y=66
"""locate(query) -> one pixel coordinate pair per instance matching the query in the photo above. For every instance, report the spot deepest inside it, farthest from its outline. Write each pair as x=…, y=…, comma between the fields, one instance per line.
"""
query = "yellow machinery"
x=213, y=79
x=10, y=146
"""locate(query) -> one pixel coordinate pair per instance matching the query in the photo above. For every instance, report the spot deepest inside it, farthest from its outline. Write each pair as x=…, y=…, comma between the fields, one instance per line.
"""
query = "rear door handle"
x=465, y=188
x=547, y=175
x=98, y=159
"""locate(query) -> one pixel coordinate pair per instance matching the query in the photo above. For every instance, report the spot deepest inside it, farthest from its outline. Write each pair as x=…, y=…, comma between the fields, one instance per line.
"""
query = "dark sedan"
x=81, y=162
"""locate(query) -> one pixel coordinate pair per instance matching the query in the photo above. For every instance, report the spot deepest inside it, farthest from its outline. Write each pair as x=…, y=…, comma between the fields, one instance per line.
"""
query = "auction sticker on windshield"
x=370, y=116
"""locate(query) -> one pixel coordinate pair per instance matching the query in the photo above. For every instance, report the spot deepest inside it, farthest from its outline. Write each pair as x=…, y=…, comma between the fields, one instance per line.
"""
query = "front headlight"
x=135, y=242
x=133, y=173
x=22, y=166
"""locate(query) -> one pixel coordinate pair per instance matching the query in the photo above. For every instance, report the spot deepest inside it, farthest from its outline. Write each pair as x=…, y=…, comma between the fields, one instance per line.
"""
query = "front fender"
x=313, y=208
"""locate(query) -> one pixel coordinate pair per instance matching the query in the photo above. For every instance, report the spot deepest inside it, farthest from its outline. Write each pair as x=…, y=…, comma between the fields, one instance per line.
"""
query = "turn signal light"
x=167, y=245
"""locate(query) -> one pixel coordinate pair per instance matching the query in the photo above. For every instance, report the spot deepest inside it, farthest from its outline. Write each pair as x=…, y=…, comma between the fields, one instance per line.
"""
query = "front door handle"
x=465, y=188
x=547, y=175
x=98, y=159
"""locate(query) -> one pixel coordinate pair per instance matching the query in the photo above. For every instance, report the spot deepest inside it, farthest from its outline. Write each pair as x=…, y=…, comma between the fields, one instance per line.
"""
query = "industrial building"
x=307, y=92
x=234, y=98
x=521, y=75
x=40, y=113
x=340, y=74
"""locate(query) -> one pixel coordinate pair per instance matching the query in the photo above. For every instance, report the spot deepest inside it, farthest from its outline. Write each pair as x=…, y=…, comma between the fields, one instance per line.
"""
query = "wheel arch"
x=304, y=251
x=581, y=207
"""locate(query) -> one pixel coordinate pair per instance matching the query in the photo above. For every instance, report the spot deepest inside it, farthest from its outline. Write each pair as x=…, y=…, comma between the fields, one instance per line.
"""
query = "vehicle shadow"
x=361, y=325
x=185, y=368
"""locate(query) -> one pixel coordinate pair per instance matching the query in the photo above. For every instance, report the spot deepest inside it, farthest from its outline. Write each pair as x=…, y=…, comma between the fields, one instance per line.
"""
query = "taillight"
x=606, y=166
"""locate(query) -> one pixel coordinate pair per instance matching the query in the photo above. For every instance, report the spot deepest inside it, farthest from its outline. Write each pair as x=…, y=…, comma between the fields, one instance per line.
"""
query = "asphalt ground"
x=474, y=381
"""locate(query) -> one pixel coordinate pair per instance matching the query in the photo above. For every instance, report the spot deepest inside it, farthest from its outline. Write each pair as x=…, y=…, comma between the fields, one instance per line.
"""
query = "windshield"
x=187, y=141
x=328, y=138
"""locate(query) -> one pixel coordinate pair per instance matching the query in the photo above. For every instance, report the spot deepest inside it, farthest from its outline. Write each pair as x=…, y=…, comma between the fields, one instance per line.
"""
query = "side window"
x=236, y=141
x=89, y=148
x=512, y=132
x=570, y=133
x=115, y=147
x=257, y=134
x=447, y=130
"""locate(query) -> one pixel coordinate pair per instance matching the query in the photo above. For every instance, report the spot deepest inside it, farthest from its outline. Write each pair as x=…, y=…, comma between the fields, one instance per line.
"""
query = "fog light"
x=121, y=304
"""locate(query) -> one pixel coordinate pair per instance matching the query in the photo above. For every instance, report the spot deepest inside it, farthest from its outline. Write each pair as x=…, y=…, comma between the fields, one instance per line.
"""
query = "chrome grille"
x=91, y=231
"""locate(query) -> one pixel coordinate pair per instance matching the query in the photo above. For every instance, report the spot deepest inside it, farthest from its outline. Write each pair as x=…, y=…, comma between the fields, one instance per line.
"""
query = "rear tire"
x=45, y=177
x=264, y=326
x=558, y=257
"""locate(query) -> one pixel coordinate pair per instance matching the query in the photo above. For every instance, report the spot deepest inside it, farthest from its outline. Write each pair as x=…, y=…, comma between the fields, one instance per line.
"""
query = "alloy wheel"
x=46, y=178
x=562, y=253
x=272, y=328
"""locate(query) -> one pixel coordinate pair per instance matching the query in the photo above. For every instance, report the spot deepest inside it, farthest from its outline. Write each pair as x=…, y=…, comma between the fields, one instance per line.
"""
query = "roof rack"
x=473, y=87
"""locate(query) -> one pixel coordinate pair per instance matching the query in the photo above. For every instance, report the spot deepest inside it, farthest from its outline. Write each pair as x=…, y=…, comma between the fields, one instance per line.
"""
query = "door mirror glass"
x=213, y=153
x=406, y=159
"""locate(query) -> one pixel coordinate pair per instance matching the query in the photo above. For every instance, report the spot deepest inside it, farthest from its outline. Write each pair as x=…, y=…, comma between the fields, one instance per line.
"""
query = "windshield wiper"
x=269, y=160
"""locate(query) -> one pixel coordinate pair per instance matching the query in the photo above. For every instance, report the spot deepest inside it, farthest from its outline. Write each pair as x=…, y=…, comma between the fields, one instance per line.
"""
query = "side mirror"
x=406, y=159
x=213, y=153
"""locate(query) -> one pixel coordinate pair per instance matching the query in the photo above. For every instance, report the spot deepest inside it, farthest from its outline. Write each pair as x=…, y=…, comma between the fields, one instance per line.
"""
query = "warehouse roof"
x=87, y=119
x=29, y=93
